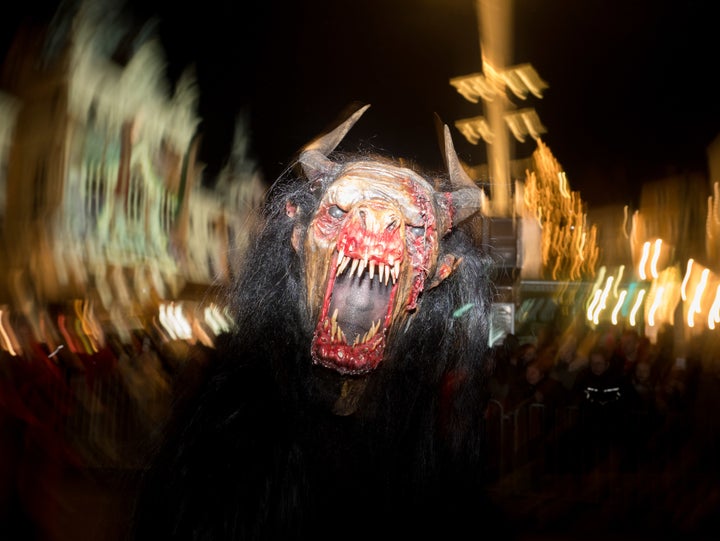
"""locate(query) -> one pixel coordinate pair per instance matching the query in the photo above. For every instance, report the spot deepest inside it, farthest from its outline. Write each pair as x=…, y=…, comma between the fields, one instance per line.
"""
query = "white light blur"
x=618, y=307
x=643, y=260
x=657, y=300
x=714, y=312
x=591, y=309
x=655, y=257
x=695, y=307
x=636, y=307
x=602, y=303
x=688, y=272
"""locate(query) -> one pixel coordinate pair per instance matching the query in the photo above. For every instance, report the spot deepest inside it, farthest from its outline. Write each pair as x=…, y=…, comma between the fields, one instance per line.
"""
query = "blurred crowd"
x=573, y=404
x=76, y=428
x=604, y=415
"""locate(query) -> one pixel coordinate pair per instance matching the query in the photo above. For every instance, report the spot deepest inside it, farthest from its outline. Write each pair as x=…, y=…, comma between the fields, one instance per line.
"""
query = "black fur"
x=258, y=453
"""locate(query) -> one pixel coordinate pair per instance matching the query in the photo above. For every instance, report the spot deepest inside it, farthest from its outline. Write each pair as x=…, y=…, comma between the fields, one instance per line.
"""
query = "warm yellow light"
x=602, y=303
x=688, y=272
x=618, y=306
x=563, y=184
x=590, y=314
x=656, y=256
x=618, y=278
x=643, y=260
x=714, y=312
x=695, y=305
x=636, y=307
x=7, y=343
x=655, y=305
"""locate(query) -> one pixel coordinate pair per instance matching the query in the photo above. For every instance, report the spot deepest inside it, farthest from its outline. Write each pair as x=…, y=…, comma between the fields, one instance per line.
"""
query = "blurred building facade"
x=102, y=193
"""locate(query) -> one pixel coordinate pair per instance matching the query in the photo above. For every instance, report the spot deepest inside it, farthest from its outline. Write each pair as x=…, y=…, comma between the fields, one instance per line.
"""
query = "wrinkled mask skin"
x=371, y=249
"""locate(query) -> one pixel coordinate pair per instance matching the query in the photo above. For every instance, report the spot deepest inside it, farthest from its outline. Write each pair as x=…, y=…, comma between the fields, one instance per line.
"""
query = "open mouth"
x=357, y=310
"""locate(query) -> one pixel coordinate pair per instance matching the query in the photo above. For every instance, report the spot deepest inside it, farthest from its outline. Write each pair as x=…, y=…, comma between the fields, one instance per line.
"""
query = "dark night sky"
x=632, y=92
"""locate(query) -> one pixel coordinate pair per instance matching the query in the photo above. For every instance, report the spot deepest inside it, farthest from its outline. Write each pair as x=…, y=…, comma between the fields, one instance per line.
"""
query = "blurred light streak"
x=643, y=260
x=5, y=334
x=602, y=304
x=657, y=300
x=164, y=318
x=631, y=293
x=563, y=184
x=695, y=306
x=688, y=272
x=64, y=331
x=618, y=278
x=625, y=222
x=86, y=325
x=218, y=322
x=636, y=307
x=618, y=307
x=655, y=257
x=714, y=312
x=84, y=339
x=590, y=313
x=184, y=330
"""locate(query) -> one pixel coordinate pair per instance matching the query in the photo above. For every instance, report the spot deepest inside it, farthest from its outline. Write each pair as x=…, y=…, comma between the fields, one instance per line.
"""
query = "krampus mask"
x=372, y=248
x=347, y=401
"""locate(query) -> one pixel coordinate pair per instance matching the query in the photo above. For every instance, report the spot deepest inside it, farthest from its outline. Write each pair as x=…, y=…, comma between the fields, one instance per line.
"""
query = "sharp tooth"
x=343, y=265
x=396, y=274
x=365, y=338
x=354, y=266
x=342, y=336
x=391, y=260
x=341, y=254
x=372, y=269
x=333, y=330
x=387, y=275
x=382, y=272
x=357, y=339
x=374, y=329
x=361, y=267
x=326, y=323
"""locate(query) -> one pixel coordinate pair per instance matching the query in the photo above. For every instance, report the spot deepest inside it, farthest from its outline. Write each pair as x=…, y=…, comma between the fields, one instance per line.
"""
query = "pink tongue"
x=360, y=302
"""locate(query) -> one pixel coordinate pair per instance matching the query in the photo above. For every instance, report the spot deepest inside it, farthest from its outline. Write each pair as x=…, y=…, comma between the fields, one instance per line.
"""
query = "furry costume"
x=349, y=401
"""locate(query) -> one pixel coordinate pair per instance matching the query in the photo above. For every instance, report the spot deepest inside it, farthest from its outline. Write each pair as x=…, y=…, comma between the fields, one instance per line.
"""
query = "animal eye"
x=416, y=231
x=336, y=212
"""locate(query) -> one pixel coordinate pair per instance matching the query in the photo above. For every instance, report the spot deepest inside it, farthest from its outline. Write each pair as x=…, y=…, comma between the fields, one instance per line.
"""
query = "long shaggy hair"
x=261, y=451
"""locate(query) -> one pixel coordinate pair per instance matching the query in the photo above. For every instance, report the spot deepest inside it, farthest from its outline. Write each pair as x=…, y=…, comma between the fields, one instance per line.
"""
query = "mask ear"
x=445, y=267
x=292, y=211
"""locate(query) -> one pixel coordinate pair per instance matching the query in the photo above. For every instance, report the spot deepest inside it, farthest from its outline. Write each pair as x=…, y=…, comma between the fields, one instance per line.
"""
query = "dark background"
x=632, y=84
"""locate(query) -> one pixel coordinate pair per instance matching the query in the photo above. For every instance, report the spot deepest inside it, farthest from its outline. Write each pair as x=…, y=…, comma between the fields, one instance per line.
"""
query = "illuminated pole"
x=494, y=18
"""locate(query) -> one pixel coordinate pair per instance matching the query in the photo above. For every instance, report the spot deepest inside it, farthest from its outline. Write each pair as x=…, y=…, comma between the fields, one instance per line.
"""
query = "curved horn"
x=313, y=156
x=327, y=142
x=467, y=199
x=458, y=176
